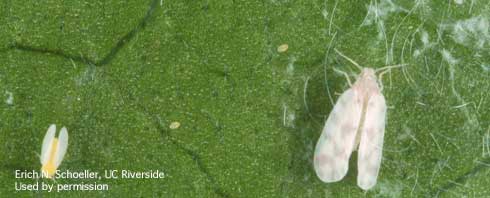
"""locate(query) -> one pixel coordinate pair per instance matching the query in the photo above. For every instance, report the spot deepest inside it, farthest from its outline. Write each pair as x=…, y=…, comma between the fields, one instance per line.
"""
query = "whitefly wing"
x=371, y=144
x=47, y=144
x=62, y=146
x=337, y=140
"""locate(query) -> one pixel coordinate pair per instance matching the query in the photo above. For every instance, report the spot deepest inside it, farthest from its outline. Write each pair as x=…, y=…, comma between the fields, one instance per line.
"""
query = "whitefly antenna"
x=384, y=70
x=345, y=74
x=387, y=68
x=349, y=59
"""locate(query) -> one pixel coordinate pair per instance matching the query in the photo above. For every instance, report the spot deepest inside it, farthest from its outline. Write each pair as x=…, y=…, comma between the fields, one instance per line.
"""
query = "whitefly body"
x=356, y=121
x=53, y=150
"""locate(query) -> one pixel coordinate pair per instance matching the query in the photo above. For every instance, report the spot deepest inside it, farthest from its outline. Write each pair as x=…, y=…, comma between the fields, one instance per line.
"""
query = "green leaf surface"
x=118, y=73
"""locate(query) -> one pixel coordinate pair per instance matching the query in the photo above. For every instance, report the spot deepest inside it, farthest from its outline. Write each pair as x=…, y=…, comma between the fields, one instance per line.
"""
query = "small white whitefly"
x=357, y=120
x=53, y=151
x=10, y=98
x=459, y=2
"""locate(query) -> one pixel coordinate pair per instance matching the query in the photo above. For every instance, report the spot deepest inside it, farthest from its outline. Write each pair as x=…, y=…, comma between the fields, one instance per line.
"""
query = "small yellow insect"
x=53, y=150
x=282, y=48
x=174, y=125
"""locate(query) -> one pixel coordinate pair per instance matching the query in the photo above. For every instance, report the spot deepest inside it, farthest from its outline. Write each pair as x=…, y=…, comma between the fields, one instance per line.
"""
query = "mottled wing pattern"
x=62, y=146
x=371, y=145
x=336, y=143
x=47, y=144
